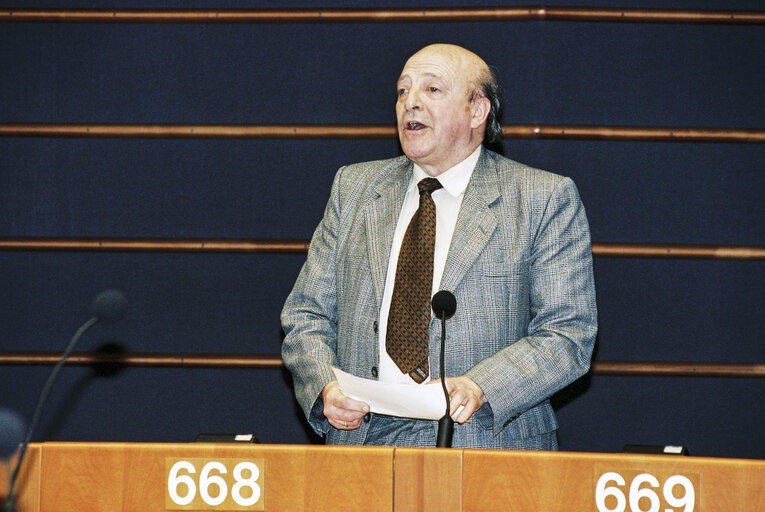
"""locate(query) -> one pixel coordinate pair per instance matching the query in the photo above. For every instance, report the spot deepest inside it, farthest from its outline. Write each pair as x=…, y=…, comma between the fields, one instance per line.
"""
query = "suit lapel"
x=475, y=223
x=381, y=215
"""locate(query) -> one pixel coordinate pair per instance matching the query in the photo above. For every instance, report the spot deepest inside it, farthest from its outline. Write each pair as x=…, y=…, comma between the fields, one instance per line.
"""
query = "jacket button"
x=367, y=417
x=375, y=326
x=374, y=372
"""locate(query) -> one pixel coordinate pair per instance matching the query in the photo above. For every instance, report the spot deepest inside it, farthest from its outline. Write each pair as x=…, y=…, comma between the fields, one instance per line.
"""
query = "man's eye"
x=434, y=89
x=401, y=91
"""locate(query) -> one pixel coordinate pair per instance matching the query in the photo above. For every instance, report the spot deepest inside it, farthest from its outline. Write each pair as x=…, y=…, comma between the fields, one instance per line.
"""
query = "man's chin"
x=414, y=146
x=415, y=154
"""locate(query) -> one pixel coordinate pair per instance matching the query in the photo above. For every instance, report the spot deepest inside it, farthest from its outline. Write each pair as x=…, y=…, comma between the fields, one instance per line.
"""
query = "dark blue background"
x=553, y=73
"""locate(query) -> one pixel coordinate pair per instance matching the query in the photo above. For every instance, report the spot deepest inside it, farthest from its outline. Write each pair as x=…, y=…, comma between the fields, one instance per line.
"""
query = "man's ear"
x=481, y=106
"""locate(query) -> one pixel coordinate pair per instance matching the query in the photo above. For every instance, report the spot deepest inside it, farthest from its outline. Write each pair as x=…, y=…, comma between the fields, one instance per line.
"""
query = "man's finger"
x=349, y=404
x=335, y=398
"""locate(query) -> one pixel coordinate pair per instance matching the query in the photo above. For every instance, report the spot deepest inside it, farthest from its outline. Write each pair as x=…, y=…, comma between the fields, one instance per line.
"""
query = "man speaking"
x=510, y=242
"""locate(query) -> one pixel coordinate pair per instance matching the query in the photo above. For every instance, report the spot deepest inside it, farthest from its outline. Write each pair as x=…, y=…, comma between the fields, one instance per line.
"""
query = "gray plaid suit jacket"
x=520, y=266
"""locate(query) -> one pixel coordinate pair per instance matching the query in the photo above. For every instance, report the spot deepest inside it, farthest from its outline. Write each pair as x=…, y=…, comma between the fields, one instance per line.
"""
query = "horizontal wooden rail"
x=604, y=250
x=199, y=131
x=661, y=369
x=654, y=134
x=702, y=252
x=153, y=245
x=624, y=368
x=412, y=15
x=142, y=359
x=527, y=131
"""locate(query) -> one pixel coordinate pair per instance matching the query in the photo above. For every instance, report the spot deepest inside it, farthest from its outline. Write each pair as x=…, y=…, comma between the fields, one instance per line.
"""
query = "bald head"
x=474, y=70
x=442, y=109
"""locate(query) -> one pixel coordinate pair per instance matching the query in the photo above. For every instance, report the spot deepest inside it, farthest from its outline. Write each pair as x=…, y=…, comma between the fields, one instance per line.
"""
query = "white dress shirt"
x=448, y=200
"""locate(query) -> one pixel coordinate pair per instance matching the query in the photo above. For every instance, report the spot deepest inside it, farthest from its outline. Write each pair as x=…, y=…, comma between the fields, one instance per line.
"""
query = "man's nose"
x=413, y=100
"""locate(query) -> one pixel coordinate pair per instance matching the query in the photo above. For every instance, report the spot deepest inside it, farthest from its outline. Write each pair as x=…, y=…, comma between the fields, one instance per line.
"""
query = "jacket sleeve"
x=563, y=317
x=309, y=317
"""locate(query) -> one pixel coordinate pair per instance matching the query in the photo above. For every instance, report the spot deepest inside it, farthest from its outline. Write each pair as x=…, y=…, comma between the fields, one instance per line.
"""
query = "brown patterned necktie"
x=406, y=339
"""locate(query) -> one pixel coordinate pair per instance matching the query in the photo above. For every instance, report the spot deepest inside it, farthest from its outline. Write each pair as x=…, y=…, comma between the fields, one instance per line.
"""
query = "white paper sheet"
x=419, y=401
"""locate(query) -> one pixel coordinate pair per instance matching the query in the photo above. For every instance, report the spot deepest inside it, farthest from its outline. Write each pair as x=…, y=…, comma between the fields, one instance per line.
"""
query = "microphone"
x=109, y=306
x=444, y=305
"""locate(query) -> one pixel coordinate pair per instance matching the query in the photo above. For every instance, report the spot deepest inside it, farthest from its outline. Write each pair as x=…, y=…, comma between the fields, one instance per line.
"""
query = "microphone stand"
x=445, y=424
x=108, y=306
x=10, y=499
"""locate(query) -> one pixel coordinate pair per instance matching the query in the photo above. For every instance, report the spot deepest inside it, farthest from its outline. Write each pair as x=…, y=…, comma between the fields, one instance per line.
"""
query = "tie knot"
x=429, y=185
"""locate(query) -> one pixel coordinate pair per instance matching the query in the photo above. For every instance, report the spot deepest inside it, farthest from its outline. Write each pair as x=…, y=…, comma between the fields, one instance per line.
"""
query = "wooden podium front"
x=83, y=477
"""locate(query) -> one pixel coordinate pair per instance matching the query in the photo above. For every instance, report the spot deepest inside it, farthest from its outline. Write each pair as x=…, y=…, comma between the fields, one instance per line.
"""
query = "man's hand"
x=343, y=413
x=465, y=397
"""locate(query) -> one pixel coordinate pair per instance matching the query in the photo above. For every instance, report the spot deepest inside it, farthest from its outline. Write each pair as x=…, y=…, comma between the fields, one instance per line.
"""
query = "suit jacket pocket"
x=493, y=301
x=506, y=280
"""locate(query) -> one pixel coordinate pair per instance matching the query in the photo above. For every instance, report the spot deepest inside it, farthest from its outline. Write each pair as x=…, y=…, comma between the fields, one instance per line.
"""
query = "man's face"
x=437, y=125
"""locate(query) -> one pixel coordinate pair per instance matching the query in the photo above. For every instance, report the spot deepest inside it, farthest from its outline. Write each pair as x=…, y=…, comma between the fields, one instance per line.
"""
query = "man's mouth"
x=414, y=125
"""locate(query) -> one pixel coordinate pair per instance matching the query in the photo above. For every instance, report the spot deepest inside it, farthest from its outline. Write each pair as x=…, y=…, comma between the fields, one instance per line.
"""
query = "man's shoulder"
x=357, y=177
x=522, y=184
x=373, y=167
x=520, y=174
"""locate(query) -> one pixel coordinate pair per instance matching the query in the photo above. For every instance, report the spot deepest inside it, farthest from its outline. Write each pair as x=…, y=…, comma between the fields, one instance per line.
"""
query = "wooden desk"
x=83, y=477
x=482, y=481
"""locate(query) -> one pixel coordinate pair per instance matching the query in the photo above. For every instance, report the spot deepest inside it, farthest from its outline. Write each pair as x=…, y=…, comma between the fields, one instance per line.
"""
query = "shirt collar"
x=454, y=180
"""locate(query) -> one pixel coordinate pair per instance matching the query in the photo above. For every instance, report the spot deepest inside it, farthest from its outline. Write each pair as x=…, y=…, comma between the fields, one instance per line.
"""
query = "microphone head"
x=444, y=304
x=109, y=306
x=12, y=429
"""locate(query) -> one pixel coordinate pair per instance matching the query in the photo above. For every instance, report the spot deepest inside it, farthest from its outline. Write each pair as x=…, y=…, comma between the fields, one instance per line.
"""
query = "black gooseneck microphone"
x=444, y=305
x=108, y=306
